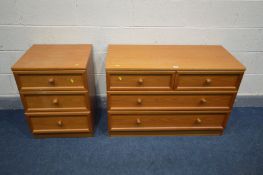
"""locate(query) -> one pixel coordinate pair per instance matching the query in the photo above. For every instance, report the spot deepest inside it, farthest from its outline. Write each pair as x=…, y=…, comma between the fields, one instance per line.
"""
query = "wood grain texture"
x=59, y=124
x=170, y=102
x=139, y=80
x=54, y=57
x=63, y=135
x=207, y=80
x=167, y=133
x=56, y=86
x=55, y=101
x=170, y=57
x=144, y=122
x=195, y=98
x=91, y=92
x=50, y=80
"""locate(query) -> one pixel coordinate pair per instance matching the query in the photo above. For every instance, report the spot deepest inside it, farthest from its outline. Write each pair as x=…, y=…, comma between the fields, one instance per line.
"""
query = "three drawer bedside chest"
x=56, y=86
x=170, y=90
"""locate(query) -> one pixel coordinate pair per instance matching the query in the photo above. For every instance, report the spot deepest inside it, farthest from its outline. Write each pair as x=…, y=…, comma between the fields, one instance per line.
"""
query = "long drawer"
x=166, y=101
x=48, y=80
x=59, y=123
x=167, y=121
x=55, y=101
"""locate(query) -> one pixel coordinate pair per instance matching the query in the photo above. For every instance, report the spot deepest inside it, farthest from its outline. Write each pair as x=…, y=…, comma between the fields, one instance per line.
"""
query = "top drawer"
x=57, y=80
x=191, y=80
x=139, y=80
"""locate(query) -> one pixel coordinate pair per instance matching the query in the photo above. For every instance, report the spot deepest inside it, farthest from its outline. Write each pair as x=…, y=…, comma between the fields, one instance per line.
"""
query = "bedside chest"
x=170, y=90
x=56, y=86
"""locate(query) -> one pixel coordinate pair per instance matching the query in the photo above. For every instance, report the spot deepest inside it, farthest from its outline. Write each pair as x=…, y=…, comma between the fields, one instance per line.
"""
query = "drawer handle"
x=203, y=100
x=120, y=78
x=140, y=81
x=51, y=81
x=55, y=101
x=208, y=81
x=138, y=121
x=60, y=123
x=139, y=101
x=198, y=120
x=72, y=80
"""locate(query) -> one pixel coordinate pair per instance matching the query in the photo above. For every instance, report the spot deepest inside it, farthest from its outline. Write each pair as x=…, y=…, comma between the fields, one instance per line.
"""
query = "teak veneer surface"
x=56, y=86
x=170, y=89
x=170, y=57
x=54, y=57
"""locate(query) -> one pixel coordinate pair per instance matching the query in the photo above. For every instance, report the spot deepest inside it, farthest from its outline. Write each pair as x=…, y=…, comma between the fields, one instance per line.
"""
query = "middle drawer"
x=55, y=101
x=169, y=101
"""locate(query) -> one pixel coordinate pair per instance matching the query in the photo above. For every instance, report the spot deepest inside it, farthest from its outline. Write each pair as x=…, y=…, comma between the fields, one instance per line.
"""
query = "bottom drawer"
x=177, y=121
x=57, y=123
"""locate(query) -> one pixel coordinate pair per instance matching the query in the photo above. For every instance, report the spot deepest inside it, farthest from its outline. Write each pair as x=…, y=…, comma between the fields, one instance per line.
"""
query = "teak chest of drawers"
x=56, y=87
x=170, y=90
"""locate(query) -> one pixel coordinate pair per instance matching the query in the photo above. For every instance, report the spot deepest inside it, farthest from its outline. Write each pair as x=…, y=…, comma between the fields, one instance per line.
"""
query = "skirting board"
x=13, y=102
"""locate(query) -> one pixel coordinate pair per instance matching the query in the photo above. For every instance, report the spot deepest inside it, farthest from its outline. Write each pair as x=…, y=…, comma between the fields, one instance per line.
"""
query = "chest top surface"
x=53, y=57
x=171, y=57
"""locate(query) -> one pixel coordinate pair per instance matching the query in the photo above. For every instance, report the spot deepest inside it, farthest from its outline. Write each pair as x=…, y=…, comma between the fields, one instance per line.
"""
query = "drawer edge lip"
x=53, y=131
x=35, y=110
x=127, y=112
x=169, y=108
x=167, y=128
x=63, y=135
x=170, y=92
x=210, y=72
x=184, y=88
x=64, y=88
x=48, y=92
x=47, y=114
x=175, y=69
x=166, y=133
x=46, y=69
x=141, y=89
x=142, y=71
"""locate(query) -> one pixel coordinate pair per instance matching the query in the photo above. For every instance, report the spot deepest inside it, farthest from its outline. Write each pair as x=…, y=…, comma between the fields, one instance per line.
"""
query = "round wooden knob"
x=138, y=121
x=140, y=81
x=139, y=101
x=198, y=120
x=208, y=81
x=60, y=123
x=203, y=100
x=51, y=81
x=55, y=101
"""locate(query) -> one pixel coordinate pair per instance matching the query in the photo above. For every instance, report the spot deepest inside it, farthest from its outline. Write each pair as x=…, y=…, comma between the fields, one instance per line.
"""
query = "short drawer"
x=140, y=80
x=207, y=81
x=59, y=123
x=170, y=101
x=51, y=81
x=151, y=122
x=55, y=101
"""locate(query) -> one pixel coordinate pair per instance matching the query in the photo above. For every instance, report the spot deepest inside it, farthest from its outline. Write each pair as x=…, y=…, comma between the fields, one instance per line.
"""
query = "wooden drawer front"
x=55, y=102
x=207, y=82
x=59, y=124
x=119, y=122
x=140, y=81
x=170, y=102
x=51, y=81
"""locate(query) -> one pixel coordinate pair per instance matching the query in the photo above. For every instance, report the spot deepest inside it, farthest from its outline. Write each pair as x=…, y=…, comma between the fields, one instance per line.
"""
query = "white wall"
x=235, y=24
